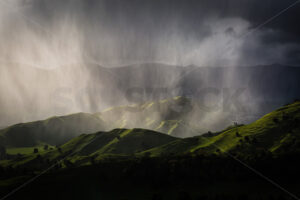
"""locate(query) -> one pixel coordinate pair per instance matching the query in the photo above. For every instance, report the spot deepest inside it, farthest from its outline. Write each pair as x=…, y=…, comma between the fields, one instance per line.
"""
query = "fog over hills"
x=63, y=57
x=221, y=94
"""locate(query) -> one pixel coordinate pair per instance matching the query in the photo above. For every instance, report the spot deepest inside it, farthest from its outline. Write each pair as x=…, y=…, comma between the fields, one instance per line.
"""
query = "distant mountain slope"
x=91, y=88
x=54, y=131
x=163, y=116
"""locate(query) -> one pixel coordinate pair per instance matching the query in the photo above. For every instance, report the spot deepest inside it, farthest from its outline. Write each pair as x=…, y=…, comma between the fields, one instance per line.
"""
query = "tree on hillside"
x=46, y=147
x=58, y=148
x=35, y=150
x=209, y=133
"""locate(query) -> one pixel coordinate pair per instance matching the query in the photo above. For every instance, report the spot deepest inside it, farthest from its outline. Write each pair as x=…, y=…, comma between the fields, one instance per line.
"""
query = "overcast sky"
x=66, y=34
x=183, y=32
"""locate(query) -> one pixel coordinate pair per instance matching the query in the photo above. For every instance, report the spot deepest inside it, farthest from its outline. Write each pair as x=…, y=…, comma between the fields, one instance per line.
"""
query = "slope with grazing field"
x=271, y=133
x=275, y=132
x=117, y=141
x=28, y=150
x=80, y=150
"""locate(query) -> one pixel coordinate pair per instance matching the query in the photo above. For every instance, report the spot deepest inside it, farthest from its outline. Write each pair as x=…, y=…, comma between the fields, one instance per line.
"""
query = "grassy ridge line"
x=268, y=130
x=115, y=143
x=273, y=132
x=60, y=129
x=53, y=131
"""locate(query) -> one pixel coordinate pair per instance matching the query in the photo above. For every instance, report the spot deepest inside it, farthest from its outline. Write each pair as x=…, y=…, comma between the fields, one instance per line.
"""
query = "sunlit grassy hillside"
x=277, y=132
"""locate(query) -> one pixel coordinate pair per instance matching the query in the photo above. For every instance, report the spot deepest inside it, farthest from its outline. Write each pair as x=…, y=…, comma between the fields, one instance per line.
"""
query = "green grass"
x=274, y=132
x=58, y=130
x=118, y=143
x=27, y=150
x=266, y=130
x=54, y=131
x=270, y=133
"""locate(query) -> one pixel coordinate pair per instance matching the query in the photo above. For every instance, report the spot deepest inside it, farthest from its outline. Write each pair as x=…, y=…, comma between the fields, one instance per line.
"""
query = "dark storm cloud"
x=188, y=13
x=144, y=30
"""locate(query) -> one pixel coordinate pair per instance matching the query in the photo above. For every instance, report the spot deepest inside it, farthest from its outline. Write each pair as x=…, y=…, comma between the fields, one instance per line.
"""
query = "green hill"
x=277, y=132
x=118, y=141
x=53, y=131
x=80, y=150
x=158, y=116
x=162, y=116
